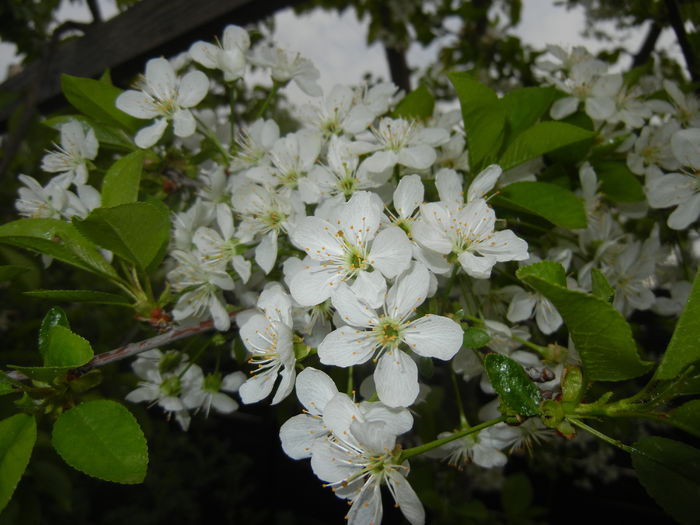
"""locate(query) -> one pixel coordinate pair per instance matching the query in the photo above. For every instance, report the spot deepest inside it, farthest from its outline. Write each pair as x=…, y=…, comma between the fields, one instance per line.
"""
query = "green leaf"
x=418, y=104
x=45, y=374
x=135, y=232
x=60, y=240
x=618, y=183
x=81, y=296
x=516, y=391
x=601, y=334
x=66, y=349
x=525, y=106
x=683, y=348
x=17, y=438
x=121, y=183
x=54, y=317
x=687, y=417
x=601, y=286
x=554, y=203
x=96, y=100
x=10, y=271
x=102, y=439
x=484, y=119
x=475, y=338
x=541, y=138
x=670, y=472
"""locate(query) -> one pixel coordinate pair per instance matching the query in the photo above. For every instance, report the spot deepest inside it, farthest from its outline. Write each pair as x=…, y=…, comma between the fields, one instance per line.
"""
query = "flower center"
x=388, y=332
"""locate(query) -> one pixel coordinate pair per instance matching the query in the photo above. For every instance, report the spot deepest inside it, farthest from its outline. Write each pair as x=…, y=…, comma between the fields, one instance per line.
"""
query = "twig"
x=676, y=20
x=132, y=349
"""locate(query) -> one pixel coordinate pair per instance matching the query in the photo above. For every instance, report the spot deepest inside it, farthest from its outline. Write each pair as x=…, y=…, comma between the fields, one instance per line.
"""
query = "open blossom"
x=369, y=332
x=78, y=146
x=164, y=97
x=346, y=246
x=356, y=458
x=286, y=66
x=228, y=56
x=40, y=202
x=467, y=232
x=268, y=338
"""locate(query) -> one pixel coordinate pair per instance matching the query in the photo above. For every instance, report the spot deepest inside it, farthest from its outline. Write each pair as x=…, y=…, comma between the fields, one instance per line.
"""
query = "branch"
x=649, y=44
x=676, y=20
x=132, y=349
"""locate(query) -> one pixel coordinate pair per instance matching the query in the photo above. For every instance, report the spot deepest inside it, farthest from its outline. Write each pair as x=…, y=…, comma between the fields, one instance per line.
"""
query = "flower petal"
x=396, y=379
x=347, y=346
x=434, y=336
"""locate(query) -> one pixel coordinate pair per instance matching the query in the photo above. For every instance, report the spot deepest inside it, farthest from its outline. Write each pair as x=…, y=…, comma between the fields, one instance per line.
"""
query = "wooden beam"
x=123, y=44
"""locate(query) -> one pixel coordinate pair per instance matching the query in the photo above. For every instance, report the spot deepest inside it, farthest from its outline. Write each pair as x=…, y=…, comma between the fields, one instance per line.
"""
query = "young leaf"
x=602, y=336
x=525, y=106
x=17, y=438
x=80, y=296
x=54, y=317
x=601, y=286
x=541, y=138
x=670, y=472
x=687, y=417
x=515, y=389
x=554, y=203
x=66, y=349
x=97, y=100
x=102, y=439
x=484, y=119
x=618, y=183
x=475, y=338
x=135, y=232
x=60, y=240
x=121, y=183
x=418, y=104
x=683, y=348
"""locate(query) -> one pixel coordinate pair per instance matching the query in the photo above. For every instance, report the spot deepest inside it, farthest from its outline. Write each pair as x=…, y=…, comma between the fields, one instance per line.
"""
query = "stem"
x=604, y=437
x=422, y=449
x=463, y=422
x=351, y=384
x=270, y=96
x=537, y=348
x=207, y=132
x=468, y=296
x=132, y=349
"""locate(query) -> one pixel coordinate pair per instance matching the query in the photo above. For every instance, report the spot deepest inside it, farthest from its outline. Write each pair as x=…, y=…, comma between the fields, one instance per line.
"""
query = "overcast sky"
x=336, y=43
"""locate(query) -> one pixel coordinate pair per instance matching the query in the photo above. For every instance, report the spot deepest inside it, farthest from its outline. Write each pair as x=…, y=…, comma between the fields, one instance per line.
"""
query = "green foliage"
x=10, y=271
x=475, y=338
x=516, y=391
x=687, y=417
x=418, y=104
x=58, y=239
x=136, y=231
x=601, y=286
x=54, y=317
x=603, y=338
x=102, y=439
x=80, y=296
x=17, y=437
x=618, y=183
x=683, y=348
x=549, y=201
x=66, y=349
x=670, y=472
x=96, y=99
x=121, y=182
x=541, y=138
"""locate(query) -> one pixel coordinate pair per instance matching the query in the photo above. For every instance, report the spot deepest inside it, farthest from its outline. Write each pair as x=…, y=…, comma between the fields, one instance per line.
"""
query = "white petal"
x=408, y=195
x=339, y=414
x=317, y=238
x=352, y=309
x=160, y=78
x=370, y=287
x=669, y=190
x=380, y=161
x=548, y=318
x=360, y=217
x=476, y=266
x=600, y=108
x=314, y=284
x=484, y=182
x=391, y=252
x=204, y=53
x=434, y=336
x=685, y=145
x=193, y=88
x=347, y=346
x=449, y=186
x=521, y=307
x=148, y=136
x=242, y=267
x=258, y=387
x=504, y=245
x=396, y=379
x=409, y=292
x=183, y=123
x=563, y=107
x=418, y=157
x=685, y=214
x=367, y=508
x=137, y=104
x=266, y=252
x=298, y=434
x=406, y=498
x=314, y=389
x=328, y=465
x=288, y=375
